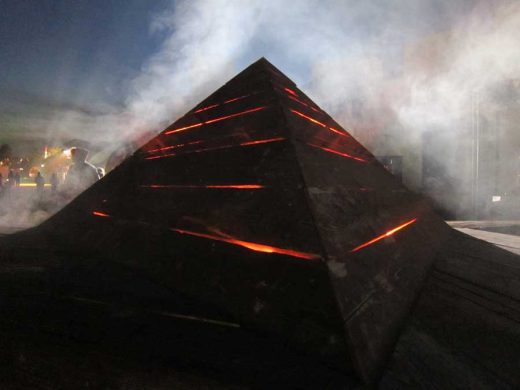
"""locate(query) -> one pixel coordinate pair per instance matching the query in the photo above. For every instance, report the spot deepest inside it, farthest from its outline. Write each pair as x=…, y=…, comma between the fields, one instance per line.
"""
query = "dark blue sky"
x=53, y=48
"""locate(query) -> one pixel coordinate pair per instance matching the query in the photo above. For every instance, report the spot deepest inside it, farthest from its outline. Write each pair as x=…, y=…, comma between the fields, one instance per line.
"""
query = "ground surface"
x=463, y=332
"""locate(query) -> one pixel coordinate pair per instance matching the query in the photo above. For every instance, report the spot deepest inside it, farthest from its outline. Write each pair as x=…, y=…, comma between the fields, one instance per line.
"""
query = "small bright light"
x=43, y=165
x=496, y=198
x=67, y=153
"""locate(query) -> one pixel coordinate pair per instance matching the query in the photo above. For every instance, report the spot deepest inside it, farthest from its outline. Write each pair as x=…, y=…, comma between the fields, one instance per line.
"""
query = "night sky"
x=52, y=48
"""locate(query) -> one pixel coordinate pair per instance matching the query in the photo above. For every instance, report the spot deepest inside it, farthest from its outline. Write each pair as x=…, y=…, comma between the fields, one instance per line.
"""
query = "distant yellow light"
x=32, y=185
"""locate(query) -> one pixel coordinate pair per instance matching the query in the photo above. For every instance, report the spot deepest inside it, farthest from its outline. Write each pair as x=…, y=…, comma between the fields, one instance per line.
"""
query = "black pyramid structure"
x=257, y=209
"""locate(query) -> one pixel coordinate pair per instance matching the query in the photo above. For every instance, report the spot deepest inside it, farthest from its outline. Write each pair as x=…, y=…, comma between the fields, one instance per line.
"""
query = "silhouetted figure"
x=40, y=183
x=54, y=183
x=81, y=173
x=10, y=178
x=17, y=179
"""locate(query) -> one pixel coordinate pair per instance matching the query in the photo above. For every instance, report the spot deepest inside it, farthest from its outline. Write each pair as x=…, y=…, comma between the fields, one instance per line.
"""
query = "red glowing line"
x=291, y=92
x=308, y=118
x=100, y=214
x=302, y=103
x=338, y=153
x=214, y=186
x=215, y=120
x=262, y=141
x=251, y=245
x=235, y=99
x=387, y=234
x=338, y=131
x=184, y=128
x=249, y=143
x=235, y=115
x=319, y=123
x=173, y=147
x=207, y=108
x=220, y=104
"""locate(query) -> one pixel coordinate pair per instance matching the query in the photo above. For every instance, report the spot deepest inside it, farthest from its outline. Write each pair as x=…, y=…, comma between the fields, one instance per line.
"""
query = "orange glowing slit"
x=215, y=120
x=100, y=214
x=249, y=143
x=262, y=141
x=220, y=104
x=387, y=234
x=236, y=99
x=235, y=115
x=303, y=103
x=291, y=92
x=308, y=118
x=173, y=147
x=338, y=153
x=319, y=123
x=207, y=108
x=184, y=128
x=214, y=186
x=251, y=245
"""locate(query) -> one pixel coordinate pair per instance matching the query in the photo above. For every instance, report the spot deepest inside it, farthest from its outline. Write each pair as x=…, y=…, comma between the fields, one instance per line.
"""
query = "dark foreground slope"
x=463, y=332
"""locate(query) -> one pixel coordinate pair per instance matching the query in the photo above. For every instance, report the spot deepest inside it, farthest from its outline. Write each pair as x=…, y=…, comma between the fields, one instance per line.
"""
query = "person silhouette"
x=54, y=183
x=81, y=173
x=40, y=183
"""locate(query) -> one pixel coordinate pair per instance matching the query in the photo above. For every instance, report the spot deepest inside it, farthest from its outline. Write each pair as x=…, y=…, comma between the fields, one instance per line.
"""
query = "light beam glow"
x=302, y=103
x=178, y=130
x=387, y=234
x=337, y=152
x=221, y=104
x=100, y=214
x=251, y=245
x=248, y=143
x=291, y=91
x=319, y=123
x=212, y=186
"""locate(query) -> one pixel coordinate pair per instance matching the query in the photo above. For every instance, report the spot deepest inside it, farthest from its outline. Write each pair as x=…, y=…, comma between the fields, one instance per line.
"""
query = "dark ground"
x=463, y=332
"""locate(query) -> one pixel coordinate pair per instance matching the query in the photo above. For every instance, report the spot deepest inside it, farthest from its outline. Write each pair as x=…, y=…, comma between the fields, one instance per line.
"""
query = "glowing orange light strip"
x=387, y=234
x=220, y=104
x=100, y=214
x=337, y=131
x=173, y=147
x=184, y=128
x=291, y=91
x=207, y=108
x=215, y=120
x=252, y=246
x=319, y=123
x=249, y=143
x=235, y=99
x=302, y=103
x=338, y=153
x=308, y=118
x=235, y=115
x=262, y=141
x=215, y=186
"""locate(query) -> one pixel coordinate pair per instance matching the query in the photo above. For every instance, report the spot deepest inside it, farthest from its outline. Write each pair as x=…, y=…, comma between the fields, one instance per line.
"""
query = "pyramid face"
x=262, y=211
